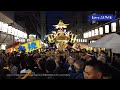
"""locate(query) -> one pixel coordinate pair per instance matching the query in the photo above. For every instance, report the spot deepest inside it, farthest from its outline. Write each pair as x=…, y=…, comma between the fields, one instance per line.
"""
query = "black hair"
x=50, y=65
x=106, y=70
x=97, y=65
x=3, y=74
x=118, y=55
x=42, y=64
x=80, y=62
x=62, y=59
x=102, y=52
x=101, y=67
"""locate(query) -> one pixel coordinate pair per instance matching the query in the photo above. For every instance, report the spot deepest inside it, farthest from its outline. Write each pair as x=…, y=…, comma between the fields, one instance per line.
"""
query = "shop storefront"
x=10, y=35
x=98, y=32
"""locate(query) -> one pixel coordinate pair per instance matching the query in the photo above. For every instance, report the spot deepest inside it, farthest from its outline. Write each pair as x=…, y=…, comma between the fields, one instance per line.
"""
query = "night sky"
x=53, y=18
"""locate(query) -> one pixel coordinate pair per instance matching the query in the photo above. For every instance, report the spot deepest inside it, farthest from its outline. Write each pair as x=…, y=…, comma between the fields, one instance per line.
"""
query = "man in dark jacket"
x=78, y=65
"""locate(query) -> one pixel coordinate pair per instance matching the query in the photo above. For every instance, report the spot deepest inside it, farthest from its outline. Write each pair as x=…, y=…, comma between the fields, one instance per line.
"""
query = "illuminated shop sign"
x=96, y=32
x=4, y=27
x=93, y=33
x=89, y=34
x=106, y=28
x=113, y=27
x=86, y=35
x=9, y=29
x=101, y=30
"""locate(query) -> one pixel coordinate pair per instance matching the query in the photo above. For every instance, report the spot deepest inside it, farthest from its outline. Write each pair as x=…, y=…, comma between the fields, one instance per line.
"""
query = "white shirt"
x=24, y=71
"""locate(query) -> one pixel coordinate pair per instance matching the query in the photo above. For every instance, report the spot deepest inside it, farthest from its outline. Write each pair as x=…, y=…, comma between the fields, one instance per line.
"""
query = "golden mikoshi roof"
x=61, y=25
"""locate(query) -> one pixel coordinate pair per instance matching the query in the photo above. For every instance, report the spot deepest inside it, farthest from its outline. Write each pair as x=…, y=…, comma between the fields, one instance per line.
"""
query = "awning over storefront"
x=108, y=41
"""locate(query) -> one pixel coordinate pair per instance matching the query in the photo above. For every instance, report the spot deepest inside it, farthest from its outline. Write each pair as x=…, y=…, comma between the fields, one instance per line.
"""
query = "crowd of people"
x=54, y=64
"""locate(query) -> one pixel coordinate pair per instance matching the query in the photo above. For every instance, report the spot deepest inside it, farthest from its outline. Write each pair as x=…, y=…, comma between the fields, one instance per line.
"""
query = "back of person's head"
x=50, y=58
x=117, y=55
x=50, y=66
x=72, y=56
x=14, y=63
x=23, y=65
x=93, y=58
x=62, y=59
x=3, y=52
x=42, y=64
x=117, y=58
x=4, y=73
x=106, y=71
x=88, y=57
x=78, y=64
x=29, y=59
x=103, y=52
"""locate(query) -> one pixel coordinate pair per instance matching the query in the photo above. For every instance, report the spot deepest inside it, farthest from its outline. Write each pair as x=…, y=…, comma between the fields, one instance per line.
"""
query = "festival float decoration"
x=27, y=47
x=61, y=37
